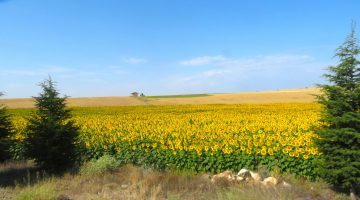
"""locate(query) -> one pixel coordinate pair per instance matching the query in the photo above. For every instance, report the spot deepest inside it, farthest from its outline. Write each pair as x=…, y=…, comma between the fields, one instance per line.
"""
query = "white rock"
x=239, y=179
x=244, y=173
x=270, y=181
x=226, y=175
x=255, y=176
x=286, y=184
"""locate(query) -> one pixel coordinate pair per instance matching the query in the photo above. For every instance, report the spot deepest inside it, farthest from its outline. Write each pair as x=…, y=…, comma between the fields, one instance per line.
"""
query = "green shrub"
x=43, y=191
x=99, y=166
x=17, y=150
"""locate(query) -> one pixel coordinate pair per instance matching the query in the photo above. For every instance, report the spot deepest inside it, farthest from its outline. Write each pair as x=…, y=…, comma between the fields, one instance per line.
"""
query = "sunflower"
x=263, y=151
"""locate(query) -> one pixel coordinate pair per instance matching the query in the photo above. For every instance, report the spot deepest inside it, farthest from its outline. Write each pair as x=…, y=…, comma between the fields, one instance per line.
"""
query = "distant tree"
x=51, y=135
x=339, y=139
x=5, y=132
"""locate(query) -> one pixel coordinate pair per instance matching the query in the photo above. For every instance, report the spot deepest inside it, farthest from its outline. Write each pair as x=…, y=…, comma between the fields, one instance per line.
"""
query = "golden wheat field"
x=279, y=96
x=261, y=97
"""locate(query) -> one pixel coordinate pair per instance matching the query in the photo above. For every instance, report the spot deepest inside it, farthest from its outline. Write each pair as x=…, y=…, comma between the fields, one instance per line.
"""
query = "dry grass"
x=280, y=96
x=18, y=173
x=18, y=103
x=78, y=102
x=129, y=182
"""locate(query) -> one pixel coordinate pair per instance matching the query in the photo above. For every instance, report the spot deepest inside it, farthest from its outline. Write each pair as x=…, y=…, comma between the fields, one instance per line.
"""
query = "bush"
x=44, y=191
x=17, y=150
x=100, y=166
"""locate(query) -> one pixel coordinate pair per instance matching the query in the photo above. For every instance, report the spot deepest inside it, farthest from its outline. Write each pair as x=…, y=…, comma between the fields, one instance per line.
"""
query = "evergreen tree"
x=5, y=131
x=339, y=139
x=51, y=134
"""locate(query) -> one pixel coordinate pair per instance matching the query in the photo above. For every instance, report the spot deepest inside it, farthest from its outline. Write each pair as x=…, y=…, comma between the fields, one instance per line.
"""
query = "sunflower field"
x=200, y=138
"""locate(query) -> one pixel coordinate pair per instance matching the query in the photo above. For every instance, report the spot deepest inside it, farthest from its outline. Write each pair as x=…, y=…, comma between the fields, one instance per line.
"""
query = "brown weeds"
x=134, y=183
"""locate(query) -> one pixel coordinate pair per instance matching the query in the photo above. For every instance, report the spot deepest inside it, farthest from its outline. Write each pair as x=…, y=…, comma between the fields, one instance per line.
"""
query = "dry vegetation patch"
x=129, y=182
x=280, y=96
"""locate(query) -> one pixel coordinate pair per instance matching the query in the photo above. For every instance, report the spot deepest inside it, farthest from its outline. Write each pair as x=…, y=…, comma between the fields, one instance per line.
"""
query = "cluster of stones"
x=248, y=176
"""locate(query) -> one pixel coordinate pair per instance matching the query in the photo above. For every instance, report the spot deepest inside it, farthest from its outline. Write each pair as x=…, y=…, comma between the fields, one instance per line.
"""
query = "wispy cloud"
x=20, y=72
x=74, y=81
x=222, y=69
x=37, y=72
x=135, y=60
x=215, y=72
x=117, y=70
x=204, y=60
x=221, y=60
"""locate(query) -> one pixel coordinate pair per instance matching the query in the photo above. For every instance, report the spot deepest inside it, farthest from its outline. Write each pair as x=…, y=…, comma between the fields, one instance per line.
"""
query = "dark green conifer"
x=340, y=134
x=5, y=131
x=51, y=134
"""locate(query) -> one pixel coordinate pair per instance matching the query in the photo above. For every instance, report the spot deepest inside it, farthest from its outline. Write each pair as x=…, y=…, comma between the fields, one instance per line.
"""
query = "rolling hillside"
x=278, y=96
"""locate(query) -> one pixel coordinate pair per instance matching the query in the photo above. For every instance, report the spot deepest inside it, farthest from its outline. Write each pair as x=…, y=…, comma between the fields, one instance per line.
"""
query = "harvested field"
x=279, y=96
x=78, y=102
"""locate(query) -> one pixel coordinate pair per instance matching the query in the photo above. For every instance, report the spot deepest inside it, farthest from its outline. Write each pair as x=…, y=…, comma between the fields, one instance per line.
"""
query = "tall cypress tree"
x=51, y=134
x=339, y=139
x=5, y=131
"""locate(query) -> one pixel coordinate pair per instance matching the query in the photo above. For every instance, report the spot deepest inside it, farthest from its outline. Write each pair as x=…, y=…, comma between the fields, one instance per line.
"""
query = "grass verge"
x=129, y=182
x=104, y=164
x=41, y=191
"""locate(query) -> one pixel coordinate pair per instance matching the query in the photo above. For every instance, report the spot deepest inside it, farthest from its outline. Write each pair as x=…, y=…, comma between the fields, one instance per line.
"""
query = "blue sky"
x=114, y=47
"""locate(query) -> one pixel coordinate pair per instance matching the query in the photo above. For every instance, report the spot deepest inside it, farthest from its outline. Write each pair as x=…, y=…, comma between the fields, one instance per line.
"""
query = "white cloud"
x=117, y=70
x=36, y=72
x=198, y=79
x=74, y=81
x=223, y=69
x=20, y=72
x=135, y=61
x=268, y=60
x=215, y=72
x=204, y=60
x=64, y=72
